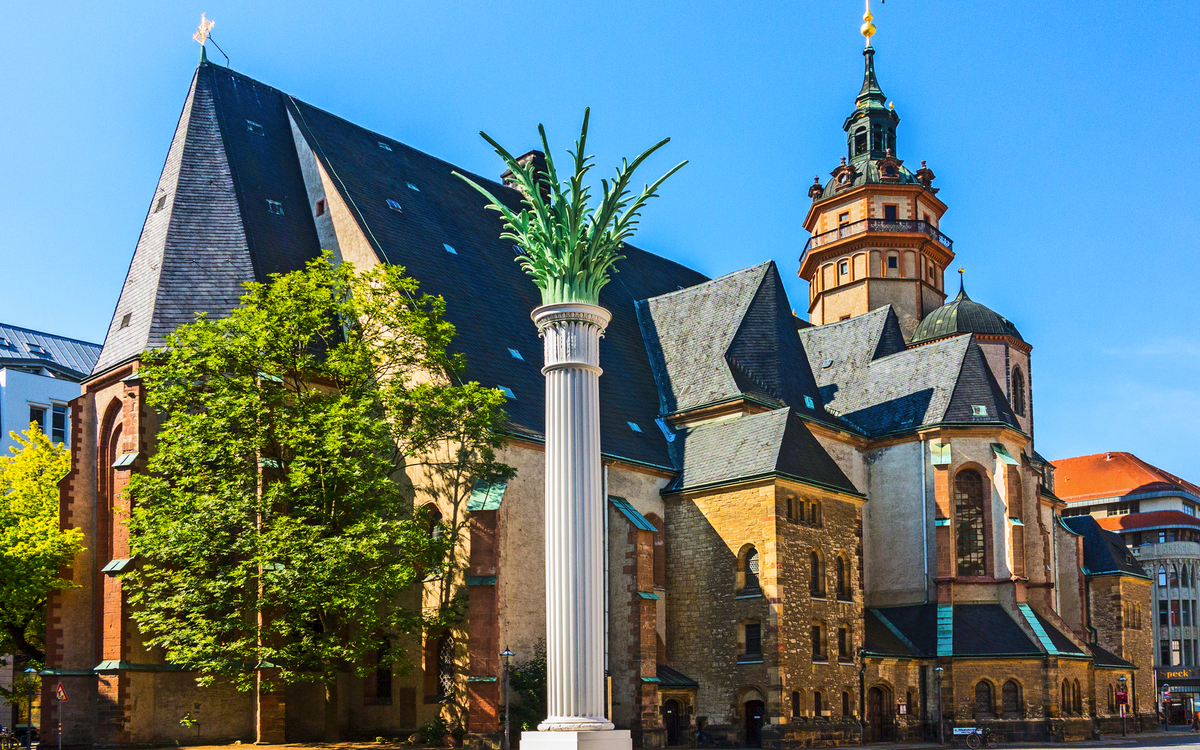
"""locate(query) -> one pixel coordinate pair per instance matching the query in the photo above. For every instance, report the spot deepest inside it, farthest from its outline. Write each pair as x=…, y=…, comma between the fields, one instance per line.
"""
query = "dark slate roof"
x=1105, y=658
x=916, y=623
x=772, y=443
x=68, y=358
x=989, y=630
x=730, y=337
x=1104, y=552
x=871, y=381
x=670, y=678
x=879, y=639
x=488, y=297
x=963, y=315
x=214, y=231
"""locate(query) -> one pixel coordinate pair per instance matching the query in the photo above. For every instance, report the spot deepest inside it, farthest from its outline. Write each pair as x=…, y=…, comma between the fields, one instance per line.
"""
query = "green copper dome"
x=963, y=315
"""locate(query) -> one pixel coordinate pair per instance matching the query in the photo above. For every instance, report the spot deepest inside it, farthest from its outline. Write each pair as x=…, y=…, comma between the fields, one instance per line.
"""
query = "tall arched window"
x=1078, y=699
x=1162, y=577
x=983, y=698
x=1011, y=697
x=1112, y=700
x=1174, y=577
x=843, y=587
x=1066, y=699
x=795, y=705
x=845, y=703
x=968, y=497
x=751, y=569
x=818, y=703
x=1017, y=390
x=660, y=552
x=816, y=581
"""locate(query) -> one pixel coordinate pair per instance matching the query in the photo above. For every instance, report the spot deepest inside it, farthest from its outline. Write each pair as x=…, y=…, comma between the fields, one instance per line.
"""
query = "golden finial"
x=204, y=30
x=868, y=28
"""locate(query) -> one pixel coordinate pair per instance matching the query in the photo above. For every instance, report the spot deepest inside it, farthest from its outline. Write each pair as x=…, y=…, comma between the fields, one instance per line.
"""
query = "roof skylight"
x=125, y=320
x=393, y=205
x=516, y=354
x=255, y=128
x=634, y=426
x=827, y=364
x=449, y=249
x=412, y=187
x=274, y=207
x=384, y=146
x=809, y=402
x=35, y=348
x=508, y=394
x=978, y=411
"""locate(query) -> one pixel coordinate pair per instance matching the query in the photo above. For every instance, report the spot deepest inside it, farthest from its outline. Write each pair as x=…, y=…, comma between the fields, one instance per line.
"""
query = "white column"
x=574, y=531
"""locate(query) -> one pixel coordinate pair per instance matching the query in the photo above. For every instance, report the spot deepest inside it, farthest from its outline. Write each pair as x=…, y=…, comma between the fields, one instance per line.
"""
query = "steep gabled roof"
x=1114, y=474
x=870, y=380
x=1104, y=553
x=729, y=337
x=69, y=358
x=769, y=444
x=210, y=228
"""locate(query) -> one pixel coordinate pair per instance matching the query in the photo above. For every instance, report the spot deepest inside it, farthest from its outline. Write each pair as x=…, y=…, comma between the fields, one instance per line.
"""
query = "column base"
x=612, y=739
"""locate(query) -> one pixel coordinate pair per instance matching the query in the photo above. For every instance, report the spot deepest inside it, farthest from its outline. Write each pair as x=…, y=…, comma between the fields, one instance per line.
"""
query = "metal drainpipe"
x=924, y=524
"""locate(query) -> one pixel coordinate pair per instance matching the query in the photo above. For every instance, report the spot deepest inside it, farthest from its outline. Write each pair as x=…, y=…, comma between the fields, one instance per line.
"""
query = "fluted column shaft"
x=571, y=335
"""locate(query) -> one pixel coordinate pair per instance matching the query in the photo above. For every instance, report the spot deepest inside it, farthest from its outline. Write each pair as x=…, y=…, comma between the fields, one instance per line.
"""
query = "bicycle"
x=8, y=740
x=982, y=736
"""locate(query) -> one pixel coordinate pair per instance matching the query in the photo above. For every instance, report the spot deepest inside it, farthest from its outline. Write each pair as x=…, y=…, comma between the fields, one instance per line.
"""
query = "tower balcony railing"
x=900, y=226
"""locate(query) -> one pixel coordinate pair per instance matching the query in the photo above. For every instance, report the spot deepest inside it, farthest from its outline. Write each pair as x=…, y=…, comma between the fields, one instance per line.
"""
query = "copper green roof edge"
x=481, y=678
x=117, y=565
x=52, y=672
x=932, y=425
x=630, y=512
x=945, y=630
x=1002, y=453
x=120, y=665
x=648, y=595
x=486, y=495
x=1033, y=622
x=764, y=475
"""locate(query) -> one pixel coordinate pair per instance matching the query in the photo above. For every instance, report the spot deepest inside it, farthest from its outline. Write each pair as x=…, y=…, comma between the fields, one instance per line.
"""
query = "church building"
x=809, y=524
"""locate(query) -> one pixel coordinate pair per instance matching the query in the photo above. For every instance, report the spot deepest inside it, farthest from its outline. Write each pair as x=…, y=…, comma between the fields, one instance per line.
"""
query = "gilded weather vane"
x=203, y=30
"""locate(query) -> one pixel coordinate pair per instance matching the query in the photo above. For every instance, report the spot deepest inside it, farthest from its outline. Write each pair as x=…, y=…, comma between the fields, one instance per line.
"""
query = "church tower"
x=874, y=224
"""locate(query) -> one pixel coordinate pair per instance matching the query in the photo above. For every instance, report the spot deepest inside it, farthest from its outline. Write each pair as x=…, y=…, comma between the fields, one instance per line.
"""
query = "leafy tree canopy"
x=274, y=523
x=32, y=548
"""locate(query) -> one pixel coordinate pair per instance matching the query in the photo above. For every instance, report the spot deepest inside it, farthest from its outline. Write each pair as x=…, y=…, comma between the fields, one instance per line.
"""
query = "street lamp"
x=507, y=656
x=30, y=673
x=1121, y=680
x=937, y=681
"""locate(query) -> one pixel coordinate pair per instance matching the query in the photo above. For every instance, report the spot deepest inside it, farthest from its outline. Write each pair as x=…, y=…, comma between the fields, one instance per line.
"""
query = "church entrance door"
x=875, y=714
x=754, y=722
x=672, y=717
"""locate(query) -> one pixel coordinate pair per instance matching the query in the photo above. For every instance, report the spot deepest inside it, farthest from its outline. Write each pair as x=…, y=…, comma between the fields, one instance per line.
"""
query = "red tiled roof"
x=1112, y=475
x=1136, y=521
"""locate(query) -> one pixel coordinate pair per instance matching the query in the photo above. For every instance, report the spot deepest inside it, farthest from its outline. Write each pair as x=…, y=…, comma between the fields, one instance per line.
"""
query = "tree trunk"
x=332, y=733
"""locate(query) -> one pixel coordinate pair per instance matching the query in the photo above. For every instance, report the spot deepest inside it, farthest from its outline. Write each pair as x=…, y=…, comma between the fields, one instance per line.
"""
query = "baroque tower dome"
x=963, y=315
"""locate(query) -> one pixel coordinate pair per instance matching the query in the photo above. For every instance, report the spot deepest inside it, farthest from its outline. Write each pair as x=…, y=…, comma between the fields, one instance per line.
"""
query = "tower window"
x=877, y=138
x=890, y=211
x=860, y=141
x=843, y=218
x=844, y=268
x=1017, y=387
x=893, y=261
x=753, y=639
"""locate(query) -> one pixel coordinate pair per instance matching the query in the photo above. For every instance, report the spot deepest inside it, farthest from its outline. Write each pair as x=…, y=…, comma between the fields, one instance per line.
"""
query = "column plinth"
x=575, y=583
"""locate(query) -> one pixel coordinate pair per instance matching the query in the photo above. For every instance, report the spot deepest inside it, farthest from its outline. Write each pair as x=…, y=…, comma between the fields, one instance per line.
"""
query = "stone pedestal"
x=574, y=532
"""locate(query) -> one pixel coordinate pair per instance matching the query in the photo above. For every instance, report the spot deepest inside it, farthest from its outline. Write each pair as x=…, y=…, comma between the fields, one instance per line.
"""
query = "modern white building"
x=39, y=374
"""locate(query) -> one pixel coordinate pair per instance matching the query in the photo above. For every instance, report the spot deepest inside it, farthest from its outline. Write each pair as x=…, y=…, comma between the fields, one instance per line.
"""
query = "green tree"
x=274, y=526
x=32, y=548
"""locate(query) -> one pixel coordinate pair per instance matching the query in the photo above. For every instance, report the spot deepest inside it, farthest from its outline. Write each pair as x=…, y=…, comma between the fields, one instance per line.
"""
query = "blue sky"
x=1059, y=133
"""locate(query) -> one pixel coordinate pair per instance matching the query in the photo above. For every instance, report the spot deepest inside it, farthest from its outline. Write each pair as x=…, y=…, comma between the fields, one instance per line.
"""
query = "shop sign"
x=1178, y=673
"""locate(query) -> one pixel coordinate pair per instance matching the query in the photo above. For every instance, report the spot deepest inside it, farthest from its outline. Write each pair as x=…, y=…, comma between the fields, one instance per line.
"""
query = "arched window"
x=845, y=703
x=1011, y=697
x=1162, y=577
x=750, y=569
x=1112, y=700
x=983, y=698
x=814, y=510
x=818, y=704
x=1078, y=699
x=860, y=141
x=843, y=584
x=1174, y=577
x=968, y=496
x=1017, y=387
x=660, y=552
x=1066, y=699
x=434, y=518
x=1183, y=577
x=816, y=581
x=818, y=642
x=795, y=704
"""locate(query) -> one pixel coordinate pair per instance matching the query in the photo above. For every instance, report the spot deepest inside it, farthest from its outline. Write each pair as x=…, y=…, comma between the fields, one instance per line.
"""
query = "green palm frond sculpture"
x=569, y=247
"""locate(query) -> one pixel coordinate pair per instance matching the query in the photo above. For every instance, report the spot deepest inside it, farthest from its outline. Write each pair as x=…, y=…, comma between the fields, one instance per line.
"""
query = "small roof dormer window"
x=255, y=128
x=394, y=205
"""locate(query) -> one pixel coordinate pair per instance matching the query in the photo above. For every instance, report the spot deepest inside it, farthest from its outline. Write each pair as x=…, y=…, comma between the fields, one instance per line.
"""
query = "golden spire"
x=868, y=28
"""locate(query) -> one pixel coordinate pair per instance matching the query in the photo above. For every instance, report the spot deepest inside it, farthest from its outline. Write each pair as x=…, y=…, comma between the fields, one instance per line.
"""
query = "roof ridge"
x=50, y=335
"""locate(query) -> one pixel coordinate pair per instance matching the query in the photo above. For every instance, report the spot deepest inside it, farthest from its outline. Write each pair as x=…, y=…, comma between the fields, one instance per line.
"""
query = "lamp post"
x=507, y=656
x=1121, y=680
x=937, y=682
x=30, y=673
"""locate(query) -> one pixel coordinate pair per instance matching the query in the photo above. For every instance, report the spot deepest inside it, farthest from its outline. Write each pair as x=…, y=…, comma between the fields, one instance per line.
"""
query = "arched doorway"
x=754, y=720
x=876, y=702
x=672, y=719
